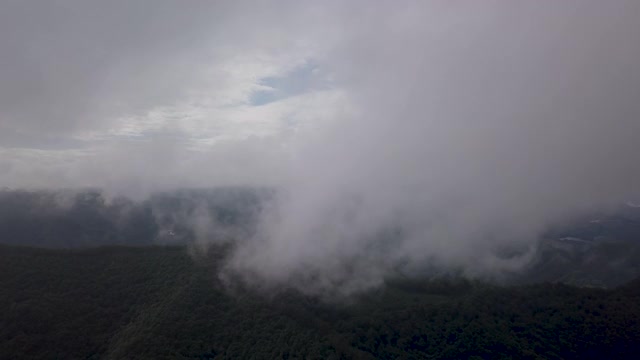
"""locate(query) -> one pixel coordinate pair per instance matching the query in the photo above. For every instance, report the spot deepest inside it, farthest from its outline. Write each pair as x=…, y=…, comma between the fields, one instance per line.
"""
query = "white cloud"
x=134, y=85
x=460, y=125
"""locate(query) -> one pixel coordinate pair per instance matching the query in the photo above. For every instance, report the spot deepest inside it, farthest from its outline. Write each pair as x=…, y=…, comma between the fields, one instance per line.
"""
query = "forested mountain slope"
x=158, y=302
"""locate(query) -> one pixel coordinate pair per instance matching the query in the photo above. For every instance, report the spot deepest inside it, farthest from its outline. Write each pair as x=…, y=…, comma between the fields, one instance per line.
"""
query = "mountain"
x=599, y=250
x=159, y=302
x=75, y=219
x=596, y=250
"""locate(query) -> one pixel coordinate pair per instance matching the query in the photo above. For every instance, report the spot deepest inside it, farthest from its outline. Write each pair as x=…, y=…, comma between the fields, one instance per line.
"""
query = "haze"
x=399, y=135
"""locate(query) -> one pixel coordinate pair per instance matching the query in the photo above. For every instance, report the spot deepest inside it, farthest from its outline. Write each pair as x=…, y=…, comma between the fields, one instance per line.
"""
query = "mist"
x=477, y=128
x=422, y=134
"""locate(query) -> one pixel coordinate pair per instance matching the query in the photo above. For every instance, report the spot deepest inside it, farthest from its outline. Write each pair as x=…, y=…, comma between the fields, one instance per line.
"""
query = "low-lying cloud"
x=443, y=134
x=475, y=131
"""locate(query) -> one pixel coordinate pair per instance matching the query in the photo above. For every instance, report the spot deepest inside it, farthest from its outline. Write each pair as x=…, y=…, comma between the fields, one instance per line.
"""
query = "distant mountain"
x=88, y=219
x=584, y=263
x=599, y=250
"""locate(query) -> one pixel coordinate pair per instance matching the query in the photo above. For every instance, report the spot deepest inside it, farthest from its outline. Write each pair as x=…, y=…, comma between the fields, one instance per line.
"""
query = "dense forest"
x=159, y=302
x=86, y=276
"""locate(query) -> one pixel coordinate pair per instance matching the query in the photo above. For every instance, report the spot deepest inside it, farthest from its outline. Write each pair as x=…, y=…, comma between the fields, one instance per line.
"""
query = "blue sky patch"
x=302, y=79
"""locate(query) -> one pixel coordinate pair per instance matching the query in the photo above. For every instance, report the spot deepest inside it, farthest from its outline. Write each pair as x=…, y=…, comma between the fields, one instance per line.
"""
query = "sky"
x=133, y=96
x=457, y=127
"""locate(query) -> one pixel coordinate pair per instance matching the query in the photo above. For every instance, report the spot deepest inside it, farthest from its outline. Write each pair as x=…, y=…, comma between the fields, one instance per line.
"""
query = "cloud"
x=474, y=132
x=130, y=83
x=400, y=134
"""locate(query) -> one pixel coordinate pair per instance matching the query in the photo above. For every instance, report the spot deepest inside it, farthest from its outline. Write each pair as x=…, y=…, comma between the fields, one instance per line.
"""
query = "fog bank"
x=398, y=136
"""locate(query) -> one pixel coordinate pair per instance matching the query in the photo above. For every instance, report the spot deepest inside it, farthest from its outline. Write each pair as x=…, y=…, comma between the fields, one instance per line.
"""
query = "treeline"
x=158, y=303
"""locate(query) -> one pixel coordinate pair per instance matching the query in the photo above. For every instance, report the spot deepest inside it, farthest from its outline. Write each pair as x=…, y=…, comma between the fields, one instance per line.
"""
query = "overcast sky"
x=458, y=126
x=155, y=94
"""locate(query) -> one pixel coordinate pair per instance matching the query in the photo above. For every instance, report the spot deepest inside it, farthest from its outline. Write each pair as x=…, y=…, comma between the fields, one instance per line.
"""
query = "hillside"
x=157, y=302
